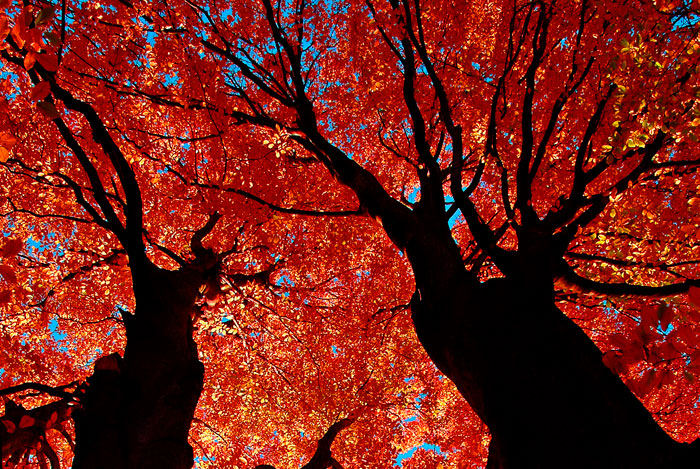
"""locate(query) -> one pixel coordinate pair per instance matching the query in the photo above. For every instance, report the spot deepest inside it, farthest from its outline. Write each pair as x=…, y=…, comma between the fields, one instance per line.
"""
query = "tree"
x=533, y=162
x=113, y=243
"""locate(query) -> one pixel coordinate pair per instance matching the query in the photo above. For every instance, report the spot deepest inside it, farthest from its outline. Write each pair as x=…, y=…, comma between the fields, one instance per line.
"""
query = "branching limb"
x=131, y=238
x=523, y=180
x=56, y=391
x=481, y=231
x=397, y=218
x=196, y=242
x=322, y=458
x=568, y=274
x=15, y=209
x=24, y=430
x=665, y=267
x=129, y=235
x=279, y=208
x=571, y=86
x=429, y=172
x=513, y=51
x=165, y=250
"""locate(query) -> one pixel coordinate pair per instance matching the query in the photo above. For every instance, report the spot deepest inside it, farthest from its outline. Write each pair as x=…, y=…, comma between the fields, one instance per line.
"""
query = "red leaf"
x=10, y=426
x=619, y=341
x=612, y=360
x=26, y=421
x=8, y=274
x=694, y=296
x=52, y=419
x=11, y=248
x=665, y=350
x=688, y=334
x=107, y=363
x=7, y=140
x=27, y=16
x=40, y=91
x=49, y=61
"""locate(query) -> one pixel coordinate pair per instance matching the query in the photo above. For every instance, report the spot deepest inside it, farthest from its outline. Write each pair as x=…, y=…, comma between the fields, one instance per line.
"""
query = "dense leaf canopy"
x=315, y=129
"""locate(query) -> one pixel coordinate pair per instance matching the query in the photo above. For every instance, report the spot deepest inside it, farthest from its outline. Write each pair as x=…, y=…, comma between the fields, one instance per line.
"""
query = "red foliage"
x=308, y=320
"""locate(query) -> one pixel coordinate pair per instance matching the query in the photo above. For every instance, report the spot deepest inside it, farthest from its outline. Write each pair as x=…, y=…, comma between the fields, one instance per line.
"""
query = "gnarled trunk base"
x=136, y=412
x=538, y=381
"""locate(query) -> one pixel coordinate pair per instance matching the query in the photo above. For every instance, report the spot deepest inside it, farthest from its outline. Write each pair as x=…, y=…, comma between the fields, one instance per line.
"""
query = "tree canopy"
x=384, y=225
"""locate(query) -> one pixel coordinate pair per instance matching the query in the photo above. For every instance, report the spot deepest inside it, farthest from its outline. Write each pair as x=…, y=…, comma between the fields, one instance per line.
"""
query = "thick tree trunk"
x=530, y=373
x=137, y=412
x=533, y=376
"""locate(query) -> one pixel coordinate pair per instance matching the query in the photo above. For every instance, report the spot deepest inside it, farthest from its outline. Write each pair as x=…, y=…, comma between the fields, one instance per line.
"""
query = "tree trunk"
x=529, y=372
x=137, y=412
x=535, y=378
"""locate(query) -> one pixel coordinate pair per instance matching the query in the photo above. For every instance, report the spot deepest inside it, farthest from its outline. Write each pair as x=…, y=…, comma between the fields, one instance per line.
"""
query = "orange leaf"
x=4, y=154
x=4, y=28
x=26, y=421
x=30, y=60
x=18, y=34
x=7, y=140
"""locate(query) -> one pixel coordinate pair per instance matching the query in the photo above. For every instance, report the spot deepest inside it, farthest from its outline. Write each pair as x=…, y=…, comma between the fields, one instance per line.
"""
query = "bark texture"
x=137, y=411
x=533, y=376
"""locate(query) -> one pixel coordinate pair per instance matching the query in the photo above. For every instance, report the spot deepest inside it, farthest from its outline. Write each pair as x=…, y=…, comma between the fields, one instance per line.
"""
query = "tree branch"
x=56, y=391
x=624, y=289
x=322, y=457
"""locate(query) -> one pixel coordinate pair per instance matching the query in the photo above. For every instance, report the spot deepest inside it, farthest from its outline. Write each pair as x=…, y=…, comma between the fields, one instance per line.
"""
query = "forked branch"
x=322, y=458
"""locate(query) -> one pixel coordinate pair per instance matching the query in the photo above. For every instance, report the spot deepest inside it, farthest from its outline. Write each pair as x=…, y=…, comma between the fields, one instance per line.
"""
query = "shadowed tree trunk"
x=529, y=372
x=137, y=411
